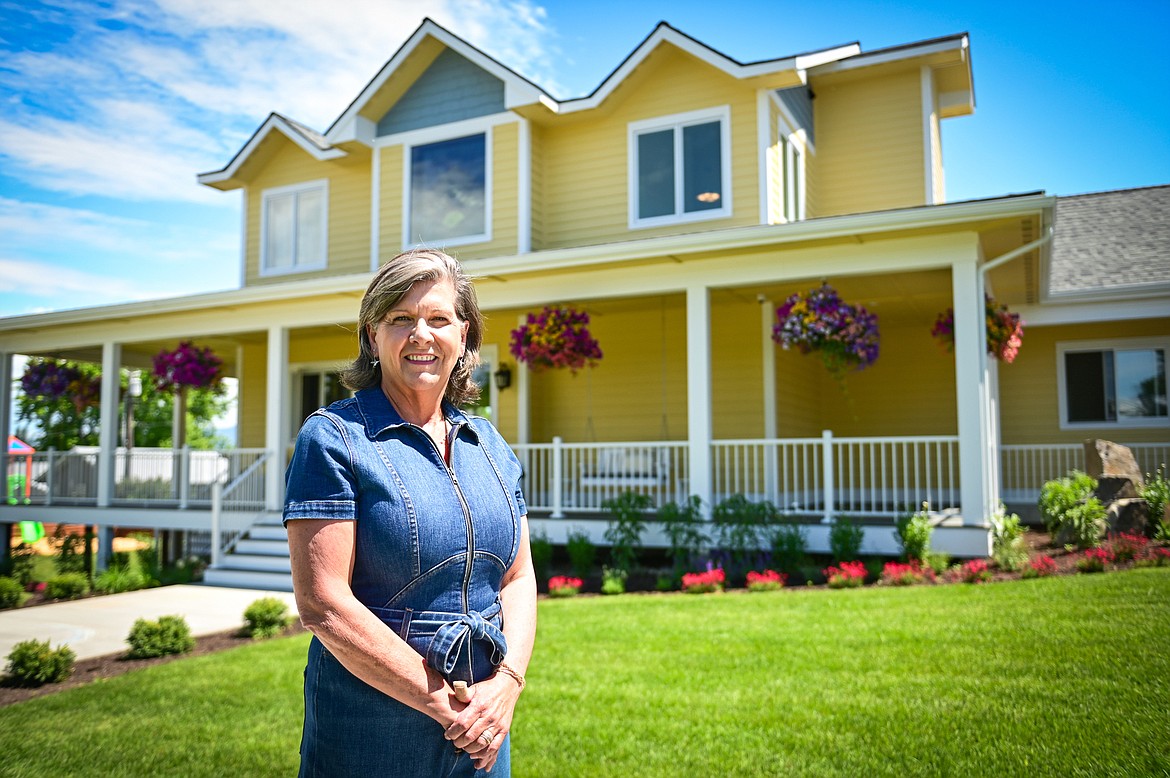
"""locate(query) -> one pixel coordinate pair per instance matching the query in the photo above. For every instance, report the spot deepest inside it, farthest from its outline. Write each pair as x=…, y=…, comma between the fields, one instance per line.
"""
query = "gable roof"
x=309, y=140
x=1114, y=242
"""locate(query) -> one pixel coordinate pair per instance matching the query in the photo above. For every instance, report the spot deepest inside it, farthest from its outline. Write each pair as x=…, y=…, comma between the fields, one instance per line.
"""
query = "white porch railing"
x=829, y=476
x=1025, y=468
x=235, y=505
x=143, y=477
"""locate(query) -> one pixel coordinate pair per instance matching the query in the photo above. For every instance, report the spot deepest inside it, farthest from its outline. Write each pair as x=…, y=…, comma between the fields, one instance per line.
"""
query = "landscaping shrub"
x=1155, y=556
x=766, y=581
x=613, y=580
x=790, y=550
x=67, y=586
x=938, y=561
x=846, y=575
x=542, y=551
x=845, y=538
x=118, y=579
x=913, y=533
x=742, y=528
x=683, y=525
x=1094, y=560
x=972, y=571
x=1009, y=549
x=12, y=593
x=267, y=617
x=1156, y=493
x=70, y=550
x=564, y=586
x=34, y=662
x=906, y=574
x=168, y=635
x=1039, y=567
x=1126, y=546
x=705, y=582
x=582, y=553
x=1071, y=513
x=624, y=532
x=24, y=563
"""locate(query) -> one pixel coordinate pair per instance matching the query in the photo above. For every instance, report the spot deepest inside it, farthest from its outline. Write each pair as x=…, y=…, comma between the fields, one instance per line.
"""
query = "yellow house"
x=679, y=204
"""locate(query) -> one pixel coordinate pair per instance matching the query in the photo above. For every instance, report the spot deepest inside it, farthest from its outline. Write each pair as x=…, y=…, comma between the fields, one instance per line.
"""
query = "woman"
x=409, y=545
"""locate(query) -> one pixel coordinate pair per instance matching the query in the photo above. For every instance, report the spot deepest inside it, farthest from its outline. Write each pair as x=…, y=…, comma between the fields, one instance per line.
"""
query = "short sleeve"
x=320, y=482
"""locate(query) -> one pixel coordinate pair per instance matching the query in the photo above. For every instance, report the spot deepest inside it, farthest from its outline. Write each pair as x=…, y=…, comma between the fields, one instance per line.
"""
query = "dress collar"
x=379, y=414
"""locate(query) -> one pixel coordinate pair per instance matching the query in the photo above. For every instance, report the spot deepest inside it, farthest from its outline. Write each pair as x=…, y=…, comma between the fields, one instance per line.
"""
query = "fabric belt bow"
x=450, y=641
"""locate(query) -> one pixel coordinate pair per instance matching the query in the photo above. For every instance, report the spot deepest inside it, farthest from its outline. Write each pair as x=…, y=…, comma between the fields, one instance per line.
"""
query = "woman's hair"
x=388, y=287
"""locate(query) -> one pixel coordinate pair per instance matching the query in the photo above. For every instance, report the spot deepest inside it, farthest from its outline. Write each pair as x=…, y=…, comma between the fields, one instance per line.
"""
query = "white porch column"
x=276, y=423
x=699, y=393
x=109, y=425
x=971, y=381
x=6, y=379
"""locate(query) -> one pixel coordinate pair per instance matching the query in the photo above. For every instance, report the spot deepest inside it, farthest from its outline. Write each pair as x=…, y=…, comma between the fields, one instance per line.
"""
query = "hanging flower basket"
x=187, y=367
x=556, y=337
x=51, y=379
x=1005, y=330
x=844, y=336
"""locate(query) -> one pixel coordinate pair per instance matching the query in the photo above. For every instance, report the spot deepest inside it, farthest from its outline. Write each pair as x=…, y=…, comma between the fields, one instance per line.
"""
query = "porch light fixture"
x=503, y=377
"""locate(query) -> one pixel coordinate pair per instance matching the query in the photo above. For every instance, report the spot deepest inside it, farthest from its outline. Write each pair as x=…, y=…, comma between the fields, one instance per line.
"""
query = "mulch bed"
x=111, y=665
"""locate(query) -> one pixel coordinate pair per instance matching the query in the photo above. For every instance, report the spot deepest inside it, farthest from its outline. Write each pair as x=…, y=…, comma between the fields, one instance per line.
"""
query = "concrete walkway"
x=99, y=625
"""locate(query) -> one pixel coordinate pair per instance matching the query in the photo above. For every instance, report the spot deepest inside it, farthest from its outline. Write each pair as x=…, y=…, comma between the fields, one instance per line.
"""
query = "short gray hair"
x=389, y=285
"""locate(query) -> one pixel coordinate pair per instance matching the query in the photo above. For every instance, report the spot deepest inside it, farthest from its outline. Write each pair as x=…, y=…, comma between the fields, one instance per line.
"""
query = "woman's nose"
x=420, y=333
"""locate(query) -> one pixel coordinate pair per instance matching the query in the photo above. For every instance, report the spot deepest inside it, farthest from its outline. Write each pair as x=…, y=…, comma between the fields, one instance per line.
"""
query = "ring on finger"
x=487, y=737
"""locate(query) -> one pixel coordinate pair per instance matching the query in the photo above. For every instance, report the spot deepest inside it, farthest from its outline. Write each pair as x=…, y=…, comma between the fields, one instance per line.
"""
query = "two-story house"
x=678, y=204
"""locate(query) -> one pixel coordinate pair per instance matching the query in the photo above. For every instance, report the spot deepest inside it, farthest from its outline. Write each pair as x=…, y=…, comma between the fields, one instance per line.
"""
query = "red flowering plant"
x=1154, y=556
x=700, y=583
x=767, y=581
x=1126, y=545
x=972, y=571
x=51, y=379
x=1094, y=560
x=906, y=574
x=187, y=367
x=564, y=586
x=1005, y=330
x=556, y=337
x=847, y=575
x=843, y=335
x=1040, y=567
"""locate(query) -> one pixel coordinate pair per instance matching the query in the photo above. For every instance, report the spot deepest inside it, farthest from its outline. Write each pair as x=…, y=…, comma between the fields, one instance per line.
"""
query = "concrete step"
x=248, y=579
x=266, y=532
x=265, y=562
x=262, y=547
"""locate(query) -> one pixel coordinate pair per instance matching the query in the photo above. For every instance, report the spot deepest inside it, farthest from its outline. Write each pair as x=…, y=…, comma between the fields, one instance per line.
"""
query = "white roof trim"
x=517, y=90
x=664, y=33
x=881, y=56
x=274, y=123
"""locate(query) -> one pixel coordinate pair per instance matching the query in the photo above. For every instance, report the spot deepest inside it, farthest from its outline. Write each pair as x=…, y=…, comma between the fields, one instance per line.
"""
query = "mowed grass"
x=1062, y=676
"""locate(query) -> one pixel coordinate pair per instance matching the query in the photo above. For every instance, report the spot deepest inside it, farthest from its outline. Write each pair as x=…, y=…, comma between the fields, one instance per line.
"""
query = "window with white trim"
x=1114, y=385
x=792, y=173
x=448, y=191
x=680, y=168
x=294, y=228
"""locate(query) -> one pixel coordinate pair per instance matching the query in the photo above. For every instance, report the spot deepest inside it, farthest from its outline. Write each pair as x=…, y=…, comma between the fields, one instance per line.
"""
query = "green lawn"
x=1062, y=676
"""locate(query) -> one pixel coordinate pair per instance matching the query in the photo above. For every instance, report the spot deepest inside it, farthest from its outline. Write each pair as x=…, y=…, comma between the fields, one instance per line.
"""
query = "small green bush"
x=70, y=550
x=542, y=550
x=267, y=617
x=12, y=593
x=790, y=549
x=913, y=533
x=613, y=580
x=168, y=635
x=582, y=552
x=845, y=538
x=67, y=586
x=683, y=525
x=1008, y=547
x=34, y=662
x=1071, y=513
x=624, y=533
x=116, y=580
x=1156, y=493
x=742, y=528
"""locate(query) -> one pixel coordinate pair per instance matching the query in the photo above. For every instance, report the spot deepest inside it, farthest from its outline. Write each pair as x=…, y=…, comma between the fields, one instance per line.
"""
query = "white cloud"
x=39, y=279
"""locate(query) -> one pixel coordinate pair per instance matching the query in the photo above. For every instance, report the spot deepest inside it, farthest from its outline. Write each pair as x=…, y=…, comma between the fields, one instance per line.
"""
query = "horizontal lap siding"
x=870, y=153
x=586, y=162
x=536, y=135
x=253, y=403
x=390, y=203
x=1030, y=394
x=349, y=209
x=737, y=378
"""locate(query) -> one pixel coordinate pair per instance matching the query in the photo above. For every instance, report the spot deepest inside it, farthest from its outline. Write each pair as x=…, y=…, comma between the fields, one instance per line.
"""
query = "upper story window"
x=1116, y=385
x=294, y=228
x=448, y=191
x=792, y=171
x=680, y=168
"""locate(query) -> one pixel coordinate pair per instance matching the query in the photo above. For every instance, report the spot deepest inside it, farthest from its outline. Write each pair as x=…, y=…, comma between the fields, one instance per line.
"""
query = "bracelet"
x=515, y=676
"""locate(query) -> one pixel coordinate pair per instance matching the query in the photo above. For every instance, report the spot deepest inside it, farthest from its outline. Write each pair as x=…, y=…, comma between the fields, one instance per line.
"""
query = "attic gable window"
x=680, y=168
x=1113, y=385
x=448, y=191
x=294, y=228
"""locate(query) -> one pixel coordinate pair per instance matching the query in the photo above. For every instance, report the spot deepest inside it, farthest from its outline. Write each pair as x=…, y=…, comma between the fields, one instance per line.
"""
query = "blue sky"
x=109, y=109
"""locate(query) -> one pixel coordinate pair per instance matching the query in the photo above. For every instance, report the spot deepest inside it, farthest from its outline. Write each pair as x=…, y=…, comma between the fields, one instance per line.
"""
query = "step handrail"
x=219, y=492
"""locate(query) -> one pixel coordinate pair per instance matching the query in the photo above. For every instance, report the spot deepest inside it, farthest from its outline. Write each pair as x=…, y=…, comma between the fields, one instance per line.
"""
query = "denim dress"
x=432, y=545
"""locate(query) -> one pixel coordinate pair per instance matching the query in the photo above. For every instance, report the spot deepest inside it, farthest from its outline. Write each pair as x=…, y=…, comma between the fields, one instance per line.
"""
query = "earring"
x=374, y=363
x=459, y=364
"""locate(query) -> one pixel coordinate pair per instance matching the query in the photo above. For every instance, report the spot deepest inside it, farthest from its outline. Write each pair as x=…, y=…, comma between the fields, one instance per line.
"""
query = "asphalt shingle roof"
x=1111, y=241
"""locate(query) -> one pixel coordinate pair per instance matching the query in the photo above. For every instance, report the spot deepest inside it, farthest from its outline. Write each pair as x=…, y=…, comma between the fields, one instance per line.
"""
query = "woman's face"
x=419, y=340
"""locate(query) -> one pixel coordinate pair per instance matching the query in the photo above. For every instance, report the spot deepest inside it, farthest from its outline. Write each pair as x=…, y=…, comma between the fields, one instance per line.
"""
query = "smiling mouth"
x=422, y=359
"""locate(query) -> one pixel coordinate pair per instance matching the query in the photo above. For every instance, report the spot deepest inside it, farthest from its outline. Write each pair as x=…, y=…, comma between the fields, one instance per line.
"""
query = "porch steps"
x=260, y=559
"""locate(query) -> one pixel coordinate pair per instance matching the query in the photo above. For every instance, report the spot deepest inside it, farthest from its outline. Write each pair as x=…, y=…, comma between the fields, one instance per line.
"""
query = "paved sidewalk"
x=99, y=625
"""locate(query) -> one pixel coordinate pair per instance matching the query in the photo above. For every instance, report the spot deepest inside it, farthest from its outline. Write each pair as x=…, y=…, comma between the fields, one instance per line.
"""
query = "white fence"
x=1025, y=468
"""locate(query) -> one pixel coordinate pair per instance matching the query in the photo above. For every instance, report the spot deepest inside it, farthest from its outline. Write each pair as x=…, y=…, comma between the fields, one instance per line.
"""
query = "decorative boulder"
x=1105, y=458
x=1130, y=515
x=1116, y=487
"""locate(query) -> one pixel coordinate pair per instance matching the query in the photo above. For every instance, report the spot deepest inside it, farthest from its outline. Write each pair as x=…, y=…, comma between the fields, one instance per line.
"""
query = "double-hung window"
x=448, y=191
x=294, y=228
x=1119, y=384
x=680, y=168
x=792, y=178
